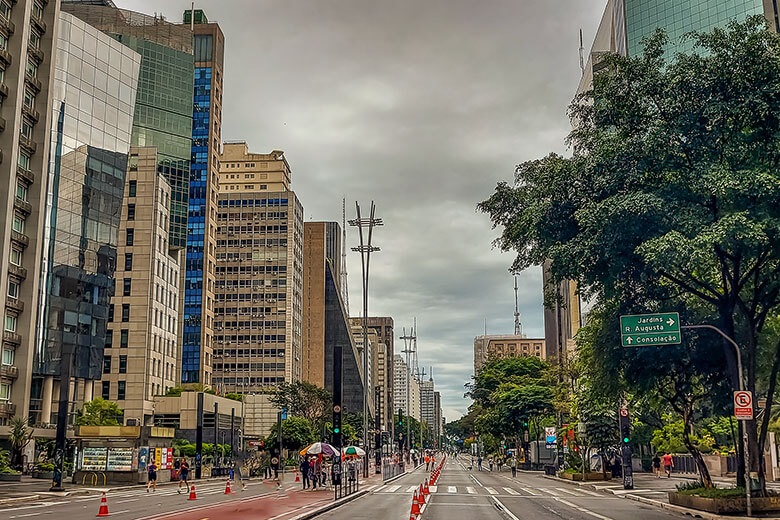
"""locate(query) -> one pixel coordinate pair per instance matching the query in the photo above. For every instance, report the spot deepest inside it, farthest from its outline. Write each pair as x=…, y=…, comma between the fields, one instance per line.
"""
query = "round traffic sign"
x=743, y=399
x=624, y=412
x=336, y=408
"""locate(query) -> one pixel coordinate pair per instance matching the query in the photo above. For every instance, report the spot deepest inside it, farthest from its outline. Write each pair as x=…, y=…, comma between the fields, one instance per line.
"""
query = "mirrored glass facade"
x=92, y=107
x=678, y=17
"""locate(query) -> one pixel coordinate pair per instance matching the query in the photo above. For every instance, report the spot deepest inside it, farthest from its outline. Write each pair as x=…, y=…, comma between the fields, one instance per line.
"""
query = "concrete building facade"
x=259, y=273
x=382, y=364
x=141, y=357
x=505, y=346
x=27, y=46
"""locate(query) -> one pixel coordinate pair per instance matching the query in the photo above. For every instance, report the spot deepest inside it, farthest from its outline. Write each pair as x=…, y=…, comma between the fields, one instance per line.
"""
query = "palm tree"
x=20, y=434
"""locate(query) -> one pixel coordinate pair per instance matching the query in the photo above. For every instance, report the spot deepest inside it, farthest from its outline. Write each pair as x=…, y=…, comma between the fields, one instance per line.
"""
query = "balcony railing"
x=15, y=303
x=7, y=25
x=27, y=175
x=30, y=111
x=19, y=272
x=9, y=371
x=11, y=337
x=7, y=409
x=28, y=143
x=36, y=53
x=33, y=81
x=20, y=237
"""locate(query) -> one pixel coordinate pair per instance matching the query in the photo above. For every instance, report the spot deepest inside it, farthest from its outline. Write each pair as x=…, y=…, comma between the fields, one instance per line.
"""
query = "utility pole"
x=408, y=350
x=365, y=249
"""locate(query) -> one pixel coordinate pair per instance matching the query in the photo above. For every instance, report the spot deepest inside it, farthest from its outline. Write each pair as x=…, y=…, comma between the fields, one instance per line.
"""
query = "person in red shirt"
x=668, y=463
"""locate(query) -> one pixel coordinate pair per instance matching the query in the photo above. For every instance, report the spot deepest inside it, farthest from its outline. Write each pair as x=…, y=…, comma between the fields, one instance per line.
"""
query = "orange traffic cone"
x=227, y=487
x=426, y=490
x=421, y=496
x=297, y=477
x=415, y=506
x=103, y=511
x=192, y=496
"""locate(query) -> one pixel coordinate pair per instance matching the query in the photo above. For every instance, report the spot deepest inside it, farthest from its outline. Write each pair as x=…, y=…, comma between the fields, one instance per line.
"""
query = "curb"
x=395, y=477
x=695, y=513
x=11, y=501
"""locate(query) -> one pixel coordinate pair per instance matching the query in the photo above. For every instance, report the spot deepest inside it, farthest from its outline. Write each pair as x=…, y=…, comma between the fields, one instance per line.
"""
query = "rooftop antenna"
x=192, y=18
x=431, y=379
x=582, y=55
x=414, y=349
x=518, y=325
x=344, y=287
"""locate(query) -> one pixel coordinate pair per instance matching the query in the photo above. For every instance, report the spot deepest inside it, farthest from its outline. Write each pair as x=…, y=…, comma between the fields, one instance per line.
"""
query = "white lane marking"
x=26, y=514
x=582, y=509
x=471, y=491
x=491, y=491
x=562, y=490
x=380, y=489
x=627, y=491
x=477, y=482
x=452, y=489
x=433, y=489
x=530, y=492
x=549, y=491
x=504, y=508
x=123, y=501
x=511, y=491
x=411, y=489
x=120, y=512
x=592, y=493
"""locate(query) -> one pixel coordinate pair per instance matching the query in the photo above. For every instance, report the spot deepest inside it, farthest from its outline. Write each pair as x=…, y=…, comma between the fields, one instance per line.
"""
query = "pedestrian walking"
x=305, y=468
x=490, y=463
x=657, y=466
x=237, y=472
x=184, y=473
x=151, y=469
x=513, y=465
x=427, y=462
x=668, y=464
x=479, y=463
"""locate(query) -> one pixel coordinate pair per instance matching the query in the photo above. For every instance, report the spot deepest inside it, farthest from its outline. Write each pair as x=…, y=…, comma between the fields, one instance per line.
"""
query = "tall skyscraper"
x=26, y=118
x=198, y=308
x=381, y=362
x=259, y=280
x=321, y=247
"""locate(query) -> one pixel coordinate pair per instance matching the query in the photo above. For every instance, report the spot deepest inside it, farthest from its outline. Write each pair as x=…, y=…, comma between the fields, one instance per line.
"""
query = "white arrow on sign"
x=629, y=340
x=670, y=322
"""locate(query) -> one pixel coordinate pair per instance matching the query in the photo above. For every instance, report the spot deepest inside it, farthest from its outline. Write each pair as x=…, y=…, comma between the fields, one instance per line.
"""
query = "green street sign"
x=645, y=330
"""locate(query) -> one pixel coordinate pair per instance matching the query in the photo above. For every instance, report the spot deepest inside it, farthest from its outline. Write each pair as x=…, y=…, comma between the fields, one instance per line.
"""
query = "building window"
x=8, y=356
x=31, y=69
x=10, y=323
x=106, y=364
x=27, y=128
x=37, y=10
x=132, y=187
x=5, y=392
x=126, y=287
x=5, y=10
x=111, y=312
x=133, y=163
x=123, y=338
x=123, y=364
x=125, y=312
x=128, y=261
x=35, y=39
x=131, y=212
x=106, y=389
x=16, y=256
x=22, y=191
x=109, y=338
x=130, y=237
x=13, y=289
x=18, y=223
x=23, y=161
x=120, y=390
x=29, y=99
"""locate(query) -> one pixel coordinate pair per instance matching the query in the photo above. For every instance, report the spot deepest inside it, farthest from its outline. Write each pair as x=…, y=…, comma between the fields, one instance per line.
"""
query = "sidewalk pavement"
x=651, y=490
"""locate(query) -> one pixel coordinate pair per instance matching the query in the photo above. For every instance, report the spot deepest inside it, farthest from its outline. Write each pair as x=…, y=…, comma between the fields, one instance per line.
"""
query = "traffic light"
x=625, y=427
x=525, y=423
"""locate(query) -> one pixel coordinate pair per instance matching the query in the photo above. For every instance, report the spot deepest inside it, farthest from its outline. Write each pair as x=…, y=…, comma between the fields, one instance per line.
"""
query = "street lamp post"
x=365, y=249
x=408, y=350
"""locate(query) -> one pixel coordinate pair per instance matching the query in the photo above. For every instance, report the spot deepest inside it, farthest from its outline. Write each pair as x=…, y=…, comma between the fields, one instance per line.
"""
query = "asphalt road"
x=466, y=495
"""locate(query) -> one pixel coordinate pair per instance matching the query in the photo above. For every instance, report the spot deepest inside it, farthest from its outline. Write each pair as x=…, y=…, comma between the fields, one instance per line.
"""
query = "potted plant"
x=44, y=470
x=7, y=473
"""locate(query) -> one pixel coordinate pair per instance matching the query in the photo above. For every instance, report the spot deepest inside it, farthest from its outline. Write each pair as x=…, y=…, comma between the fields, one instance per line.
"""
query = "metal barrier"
x=345, y=479
x=94, y=478
x=684, y=464
x=391, y=469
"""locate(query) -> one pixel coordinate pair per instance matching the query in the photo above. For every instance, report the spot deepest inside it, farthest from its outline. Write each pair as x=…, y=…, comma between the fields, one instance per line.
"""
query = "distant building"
x=506, y=346
x=381, y=329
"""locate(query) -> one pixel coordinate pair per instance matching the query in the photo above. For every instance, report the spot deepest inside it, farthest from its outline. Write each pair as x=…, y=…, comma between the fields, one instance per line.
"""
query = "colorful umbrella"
x=320, y=447
x=354, y=450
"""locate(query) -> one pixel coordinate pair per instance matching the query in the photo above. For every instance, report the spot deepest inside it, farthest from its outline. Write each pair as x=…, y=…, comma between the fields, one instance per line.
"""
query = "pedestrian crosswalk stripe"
x=452, y=489
x=549, y=491
x=511, y=491
x=567, y=492
x=534, y=493
x=491, y=491
x=471, y=491
x=393, y=489
x=411, y=489
x=591, y=493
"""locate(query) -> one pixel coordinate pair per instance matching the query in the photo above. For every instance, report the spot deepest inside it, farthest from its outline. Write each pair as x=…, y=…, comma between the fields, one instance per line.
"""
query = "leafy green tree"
x=100, y=412
x=297, y=433
x=304, y=399
x=673, y=184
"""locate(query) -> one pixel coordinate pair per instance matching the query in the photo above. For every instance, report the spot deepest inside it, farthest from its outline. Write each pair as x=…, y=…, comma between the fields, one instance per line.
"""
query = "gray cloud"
x=421, y=106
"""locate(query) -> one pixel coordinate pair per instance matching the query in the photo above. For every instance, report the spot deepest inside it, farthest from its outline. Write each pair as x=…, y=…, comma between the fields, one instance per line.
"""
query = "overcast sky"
x=421, y=106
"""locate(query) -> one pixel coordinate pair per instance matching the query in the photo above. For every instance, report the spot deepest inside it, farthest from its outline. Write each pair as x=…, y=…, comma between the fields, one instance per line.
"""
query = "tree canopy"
x=672, y=194
x=99, y=412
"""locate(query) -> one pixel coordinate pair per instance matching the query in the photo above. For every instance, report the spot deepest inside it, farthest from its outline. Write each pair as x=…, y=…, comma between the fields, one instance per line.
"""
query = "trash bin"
x=549, y=470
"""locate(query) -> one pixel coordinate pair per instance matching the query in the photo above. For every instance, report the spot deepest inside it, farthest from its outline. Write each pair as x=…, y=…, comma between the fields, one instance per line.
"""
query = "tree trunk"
x=704, y=472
